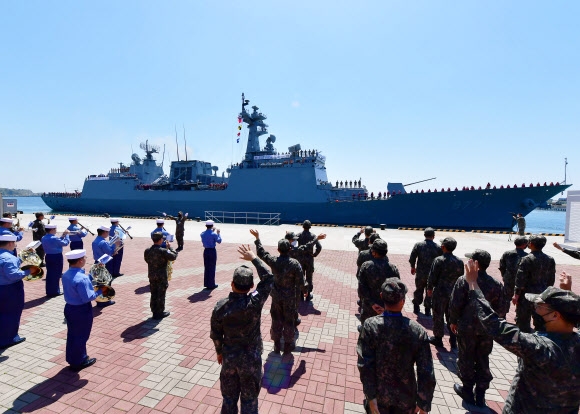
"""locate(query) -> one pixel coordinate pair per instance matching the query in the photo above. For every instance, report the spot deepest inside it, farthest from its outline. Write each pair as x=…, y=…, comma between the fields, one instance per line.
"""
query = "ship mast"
x=256, y=127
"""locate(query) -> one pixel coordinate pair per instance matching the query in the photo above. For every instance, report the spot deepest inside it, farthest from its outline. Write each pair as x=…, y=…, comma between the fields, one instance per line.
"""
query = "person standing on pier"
x=423, y=254
x=53, y=245
x=157, y=257
x=521, y=221
x=362, y=244
x=445, y=271
x=118, y=257
x=307, y=261
x=38, y=232
x=76, y=233
x=209, y=238
x=179, y=228
x=508, y=267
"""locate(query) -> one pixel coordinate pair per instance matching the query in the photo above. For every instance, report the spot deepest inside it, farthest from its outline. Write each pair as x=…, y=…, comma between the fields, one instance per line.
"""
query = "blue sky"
x=468, y=92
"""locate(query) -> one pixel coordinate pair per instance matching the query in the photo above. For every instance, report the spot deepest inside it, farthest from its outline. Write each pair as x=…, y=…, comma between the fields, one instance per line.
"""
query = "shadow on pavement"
x=277, y=373
x=143, y=329
x=35, y=302
x=143, y=289
x=200, y=296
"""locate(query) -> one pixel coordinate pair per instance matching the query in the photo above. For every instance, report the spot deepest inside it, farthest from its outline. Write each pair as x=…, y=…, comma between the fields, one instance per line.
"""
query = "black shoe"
x=427, y=311
x=298, y=320
x=437, y=341
x=288, y=348
x=359, y=328
x=453, y=342
x=416, y=309
x=87, y=363
x=309, y=297
x=480, y=398
x=105, y=304
x=277, y=347
x=55, y=295
x=161, y=315
x=119, y=275
x=211, y=288
x=466, y=394
x=16, y=342
x=358, y=303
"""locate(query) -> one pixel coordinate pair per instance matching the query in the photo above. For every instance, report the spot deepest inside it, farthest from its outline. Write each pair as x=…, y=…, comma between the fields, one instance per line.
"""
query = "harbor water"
x=538, y=221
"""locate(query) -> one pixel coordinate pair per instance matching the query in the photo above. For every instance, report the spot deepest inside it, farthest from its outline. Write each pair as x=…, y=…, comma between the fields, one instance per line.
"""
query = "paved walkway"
x=169, y=366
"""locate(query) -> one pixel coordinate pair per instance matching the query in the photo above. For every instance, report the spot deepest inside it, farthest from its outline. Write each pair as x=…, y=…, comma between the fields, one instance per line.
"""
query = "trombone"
x=84, y=228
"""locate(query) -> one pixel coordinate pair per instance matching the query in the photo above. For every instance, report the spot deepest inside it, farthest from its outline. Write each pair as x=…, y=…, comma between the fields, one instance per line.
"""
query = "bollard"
x=383, y=226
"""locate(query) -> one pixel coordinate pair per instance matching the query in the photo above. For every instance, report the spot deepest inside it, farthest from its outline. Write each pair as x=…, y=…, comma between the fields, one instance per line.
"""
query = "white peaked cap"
x=160, y=221
x=71, y=218
x=7, y=238
x=6, y=220
x=50, y=226
x=103, y=228
x=114, y=220
x=75, y=254
x=209, y=223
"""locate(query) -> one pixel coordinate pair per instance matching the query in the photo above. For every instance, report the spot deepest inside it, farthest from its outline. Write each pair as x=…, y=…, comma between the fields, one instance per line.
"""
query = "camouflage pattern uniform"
x=296, y=252
x=445, y=271
x=235, y=331
x=361, y=244
x=388, y=348
x=371, y=277
x=573, y=253
x=535, y=273
x=157, y=258
x=423, y=253
x=521, y=226
x=363, y=256
x=288, y=277
x=547, y=379
x=508, y=267
x=473, y=342
x=179, y=229
x=307, y=259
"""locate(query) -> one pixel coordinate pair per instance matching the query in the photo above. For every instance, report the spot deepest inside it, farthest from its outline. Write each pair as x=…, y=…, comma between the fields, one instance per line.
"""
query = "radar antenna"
x=149, y=149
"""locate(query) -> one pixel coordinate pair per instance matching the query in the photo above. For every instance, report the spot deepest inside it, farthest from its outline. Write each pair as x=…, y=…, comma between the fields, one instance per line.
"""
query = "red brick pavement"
x=143, y=366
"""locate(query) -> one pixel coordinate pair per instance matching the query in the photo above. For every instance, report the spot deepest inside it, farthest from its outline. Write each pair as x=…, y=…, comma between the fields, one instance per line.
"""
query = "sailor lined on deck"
x=6, y=229
x=76, y=233
x=115, y=230
x=78, y=294
x=161, y=229
x=209, y=238
x=11, y=292
x=53, y=245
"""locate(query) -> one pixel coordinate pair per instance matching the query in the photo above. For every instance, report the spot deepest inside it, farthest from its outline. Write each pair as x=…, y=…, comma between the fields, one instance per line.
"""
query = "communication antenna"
x=177, y=143
x=565, y=167
x=163, y=159
x=185, y=142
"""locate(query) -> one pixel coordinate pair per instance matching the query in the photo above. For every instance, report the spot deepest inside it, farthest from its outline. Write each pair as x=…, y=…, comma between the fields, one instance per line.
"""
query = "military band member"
x=209, y=238
x=11, y=292
x=445, y=271
x=422, y=256
x=307, y=259
x=157, y=257
x=547, y=379
x=373, y=274
x=179, y=228
x=508, y=267
x=474, y=343
x=572, y=253
x=6, y=228
x=115, y=230
x=161, y=229
x=362, y=244
x=38, y=232
x=77, y=233
x=389, y=347
x=235, y=331
x=53, y=245
x=536, y=272
x=78, y=311
x=101, y=245
x=288, y=277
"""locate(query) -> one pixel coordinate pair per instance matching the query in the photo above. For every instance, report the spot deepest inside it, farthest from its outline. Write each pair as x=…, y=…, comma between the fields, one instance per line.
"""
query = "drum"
x=30, y=260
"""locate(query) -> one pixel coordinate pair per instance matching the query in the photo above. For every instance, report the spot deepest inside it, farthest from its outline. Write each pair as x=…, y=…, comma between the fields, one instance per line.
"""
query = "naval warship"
x=289, y=187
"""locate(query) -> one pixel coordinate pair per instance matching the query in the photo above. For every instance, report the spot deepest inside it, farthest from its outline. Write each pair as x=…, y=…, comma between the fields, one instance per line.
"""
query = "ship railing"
x=244, y=217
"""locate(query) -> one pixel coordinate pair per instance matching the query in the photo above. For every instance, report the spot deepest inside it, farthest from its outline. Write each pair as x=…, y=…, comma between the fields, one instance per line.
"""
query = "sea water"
x=538, y=221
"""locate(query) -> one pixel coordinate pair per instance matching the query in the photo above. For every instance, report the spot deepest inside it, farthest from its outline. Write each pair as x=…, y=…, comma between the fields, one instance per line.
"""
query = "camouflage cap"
x=373, y=237
x=283, y=246
x=538, y=240
x=429, y=232
x=156, y=236
x=521, y=240
x=291, y=236
x=393, y=291
x=450, y=243
x=482, y=257
x=380, y=246
x=368, y=230
x=306, y=224
x=243, y=277
x=560, y=300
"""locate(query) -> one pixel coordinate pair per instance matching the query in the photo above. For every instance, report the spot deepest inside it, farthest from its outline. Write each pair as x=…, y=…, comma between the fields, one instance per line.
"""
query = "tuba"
x=30, y=260
x=101, y=282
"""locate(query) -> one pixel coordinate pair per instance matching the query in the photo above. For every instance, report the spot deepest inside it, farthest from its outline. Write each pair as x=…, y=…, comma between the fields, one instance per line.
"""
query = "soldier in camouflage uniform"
x=235, y=331
x=423, y=254
x=179, y=228
x=508, y=267
x=445, y=271
x=365, y=255
x=362, y=244
x=473, y=341
x=572, y=253
x=157, y=258
x=547, y=379
x=307, y=259
x=371, y=277
x=39, y=231
x=296, y=252
x=288, y=277
x=521, y=224
x=535, y=273
x=389, y=347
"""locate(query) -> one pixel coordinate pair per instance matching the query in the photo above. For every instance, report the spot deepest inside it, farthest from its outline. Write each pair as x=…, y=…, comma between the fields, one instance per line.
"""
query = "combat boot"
x=480, y=397
x=436, y=340
x=427, y=311
x=465, y=393
x=416, y=309
x=277, y=346
x=288, y=348
x=453, y=341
